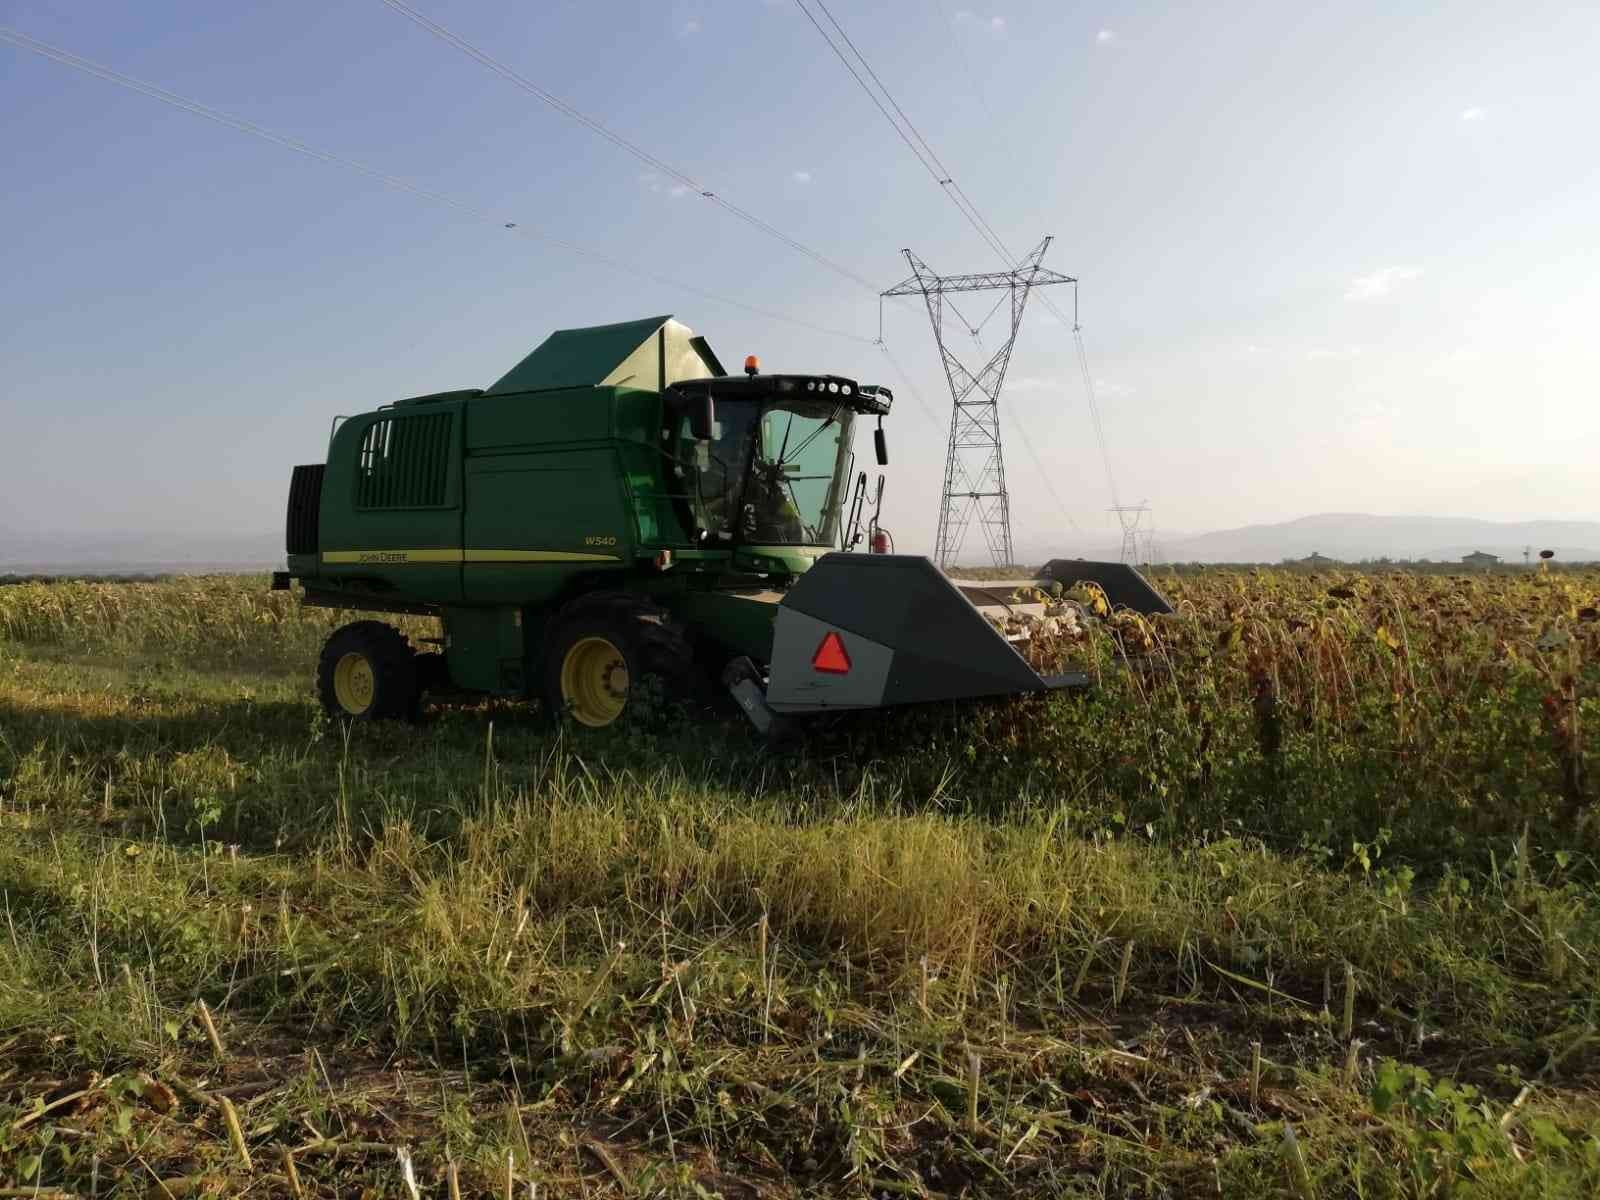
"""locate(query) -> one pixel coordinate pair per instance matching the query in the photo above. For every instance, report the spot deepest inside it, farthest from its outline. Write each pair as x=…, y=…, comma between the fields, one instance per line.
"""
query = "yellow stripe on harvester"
x=479, y=556
x=387, y=558
x=390, y=557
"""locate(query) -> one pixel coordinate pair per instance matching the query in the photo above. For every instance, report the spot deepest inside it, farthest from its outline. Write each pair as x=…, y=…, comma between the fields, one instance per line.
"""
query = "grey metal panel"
x=1124, y=587
x=918, y=677
x=904, y=601
x=932, y=642
x=1072, y=679
x=742, y=679
x=794, y=685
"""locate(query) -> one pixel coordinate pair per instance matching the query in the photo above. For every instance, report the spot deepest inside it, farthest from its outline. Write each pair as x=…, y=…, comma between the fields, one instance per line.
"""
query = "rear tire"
x=367, y=672
x=601, y=647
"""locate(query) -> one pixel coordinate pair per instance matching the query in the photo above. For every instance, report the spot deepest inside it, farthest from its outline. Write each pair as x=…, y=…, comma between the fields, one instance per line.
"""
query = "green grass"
x=1023, y=949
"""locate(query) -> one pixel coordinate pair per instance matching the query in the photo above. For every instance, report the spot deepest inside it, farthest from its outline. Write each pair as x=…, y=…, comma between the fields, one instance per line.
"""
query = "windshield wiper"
x=783, y=451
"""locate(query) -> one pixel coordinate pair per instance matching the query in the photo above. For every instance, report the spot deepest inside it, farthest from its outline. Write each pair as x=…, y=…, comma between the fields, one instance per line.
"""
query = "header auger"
x=616, y=507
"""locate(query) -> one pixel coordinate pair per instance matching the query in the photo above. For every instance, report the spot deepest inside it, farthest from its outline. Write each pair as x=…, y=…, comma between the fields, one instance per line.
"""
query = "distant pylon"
x=974, y=466
x=1130, y=517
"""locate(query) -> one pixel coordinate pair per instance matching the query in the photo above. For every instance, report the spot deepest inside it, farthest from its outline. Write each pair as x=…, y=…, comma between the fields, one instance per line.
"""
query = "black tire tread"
x=397, y=693
x=658, y=643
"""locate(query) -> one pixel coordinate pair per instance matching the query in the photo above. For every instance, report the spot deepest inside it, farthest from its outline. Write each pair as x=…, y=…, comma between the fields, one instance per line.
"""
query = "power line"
x=1044, y=477
x=910, y=387
x=981, y=92
x=1094, y=405
x=656, y=163
x=958, y=196
x=89, y=67
x=946, y=180
x=929, y=160
x=621, y=142
x=942, y=174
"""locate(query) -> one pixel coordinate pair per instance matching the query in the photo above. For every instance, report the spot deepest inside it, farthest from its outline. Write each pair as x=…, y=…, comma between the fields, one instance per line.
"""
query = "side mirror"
x=881, y=445
x=702, y=417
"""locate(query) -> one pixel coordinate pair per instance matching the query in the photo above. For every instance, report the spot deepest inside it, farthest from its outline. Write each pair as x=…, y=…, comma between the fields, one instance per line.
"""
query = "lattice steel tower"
x=1131, y=516
x=974, y=466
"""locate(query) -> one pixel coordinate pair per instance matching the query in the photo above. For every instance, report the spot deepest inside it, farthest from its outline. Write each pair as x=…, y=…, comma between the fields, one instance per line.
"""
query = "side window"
x=404, y=462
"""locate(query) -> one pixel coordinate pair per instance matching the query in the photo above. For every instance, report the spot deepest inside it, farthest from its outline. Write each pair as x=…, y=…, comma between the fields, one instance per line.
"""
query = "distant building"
x=1480, y=560
x=1317, y=560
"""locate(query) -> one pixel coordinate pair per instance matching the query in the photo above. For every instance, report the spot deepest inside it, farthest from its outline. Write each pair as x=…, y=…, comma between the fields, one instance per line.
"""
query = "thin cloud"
x=1106, y=388
x=1380, y=283
x=1374, y=412
x=967, y=19
x=1456, y=363
x=652, y=182
x=801, y=176
x=1034, y=383
x=1475, y=113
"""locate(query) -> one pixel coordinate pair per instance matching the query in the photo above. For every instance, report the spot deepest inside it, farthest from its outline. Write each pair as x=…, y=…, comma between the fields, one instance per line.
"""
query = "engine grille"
x=305, y=499
x=404, y=462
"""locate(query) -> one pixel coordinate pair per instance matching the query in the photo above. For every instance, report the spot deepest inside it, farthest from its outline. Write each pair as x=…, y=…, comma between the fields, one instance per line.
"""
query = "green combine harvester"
x=618, y=507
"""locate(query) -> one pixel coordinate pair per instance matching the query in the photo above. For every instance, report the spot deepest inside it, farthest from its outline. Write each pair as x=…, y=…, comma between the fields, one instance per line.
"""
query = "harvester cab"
x=761, y=462
x=618, y=507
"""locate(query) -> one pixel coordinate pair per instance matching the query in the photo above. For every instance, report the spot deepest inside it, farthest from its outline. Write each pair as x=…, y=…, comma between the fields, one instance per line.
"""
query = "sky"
x=1333, y=257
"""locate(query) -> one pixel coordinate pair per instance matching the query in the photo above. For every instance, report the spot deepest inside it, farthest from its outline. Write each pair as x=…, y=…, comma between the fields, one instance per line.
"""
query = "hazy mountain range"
x=110, y=553
x=1346, y=536
x=1351, y=537
x=1355, y=536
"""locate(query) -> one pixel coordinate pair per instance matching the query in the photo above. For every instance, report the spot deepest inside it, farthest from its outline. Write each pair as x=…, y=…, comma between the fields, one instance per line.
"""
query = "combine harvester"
x=618, y=506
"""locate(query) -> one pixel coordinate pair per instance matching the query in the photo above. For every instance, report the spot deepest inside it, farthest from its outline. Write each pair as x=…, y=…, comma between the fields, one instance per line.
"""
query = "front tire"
x=602, y=648
x=367, y=672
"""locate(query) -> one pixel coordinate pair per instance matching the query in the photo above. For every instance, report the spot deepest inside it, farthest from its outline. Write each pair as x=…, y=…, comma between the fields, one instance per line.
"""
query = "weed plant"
x=1298, y=900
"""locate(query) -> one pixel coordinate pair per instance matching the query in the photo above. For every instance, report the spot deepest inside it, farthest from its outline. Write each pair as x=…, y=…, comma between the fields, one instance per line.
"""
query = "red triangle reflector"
x=831, y=656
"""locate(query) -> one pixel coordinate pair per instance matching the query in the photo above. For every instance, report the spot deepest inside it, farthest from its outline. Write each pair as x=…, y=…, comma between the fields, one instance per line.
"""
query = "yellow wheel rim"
x=353, y=684
x=594, y=681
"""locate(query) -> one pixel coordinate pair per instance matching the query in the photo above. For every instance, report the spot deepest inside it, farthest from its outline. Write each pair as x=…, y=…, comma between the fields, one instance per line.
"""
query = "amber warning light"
x=831, y=657
x=752, y=364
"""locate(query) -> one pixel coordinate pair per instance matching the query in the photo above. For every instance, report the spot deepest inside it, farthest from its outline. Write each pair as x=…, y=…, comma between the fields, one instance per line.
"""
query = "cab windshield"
x=789, y=499
x=770, y=475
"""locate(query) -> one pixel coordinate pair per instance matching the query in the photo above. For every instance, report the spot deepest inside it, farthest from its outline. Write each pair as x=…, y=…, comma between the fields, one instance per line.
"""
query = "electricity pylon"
x=1131, y=516
x=974, y=467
